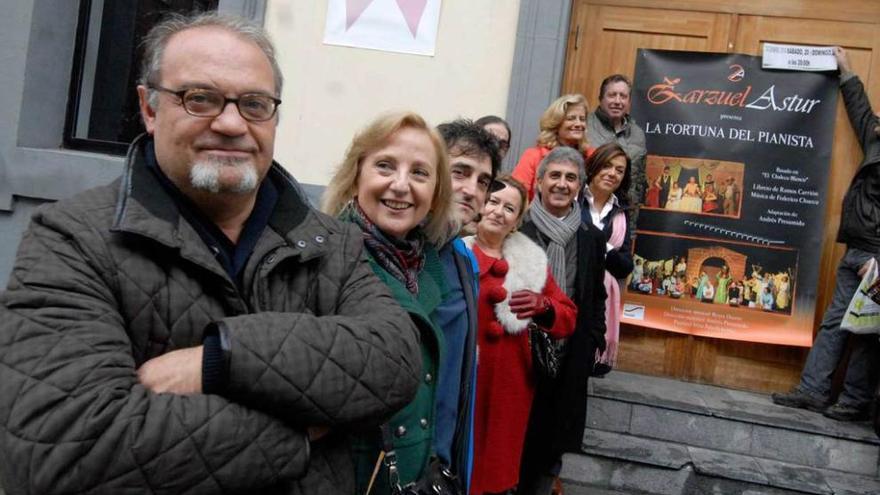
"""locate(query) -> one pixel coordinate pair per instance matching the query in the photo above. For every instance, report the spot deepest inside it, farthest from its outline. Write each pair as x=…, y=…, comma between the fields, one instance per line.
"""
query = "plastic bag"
x=863, y=314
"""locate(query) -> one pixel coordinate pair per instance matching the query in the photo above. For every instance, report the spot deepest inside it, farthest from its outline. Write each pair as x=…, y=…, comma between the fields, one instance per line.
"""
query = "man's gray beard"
x=205, y=176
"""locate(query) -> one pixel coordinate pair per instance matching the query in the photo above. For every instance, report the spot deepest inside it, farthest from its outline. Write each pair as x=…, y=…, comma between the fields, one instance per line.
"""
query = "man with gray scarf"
x=576, y=251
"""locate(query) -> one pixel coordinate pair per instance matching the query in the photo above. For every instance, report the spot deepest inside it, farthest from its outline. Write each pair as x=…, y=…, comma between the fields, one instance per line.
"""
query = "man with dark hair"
x=195, y=326
x=860, y=231
x=611, y=122
x=499, y=128
x=576, y=253
x=473, y=162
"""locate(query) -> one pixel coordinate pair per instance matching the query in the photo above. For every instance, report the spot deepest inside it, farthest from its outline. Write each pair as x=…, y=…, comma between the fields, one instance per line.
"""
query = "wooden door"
x=603, y=40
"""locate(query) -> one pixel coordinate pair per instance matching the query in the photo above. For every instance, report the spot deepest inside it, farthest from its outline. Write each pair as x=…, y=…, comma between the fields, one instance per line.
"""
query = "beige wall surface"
x=332, y=91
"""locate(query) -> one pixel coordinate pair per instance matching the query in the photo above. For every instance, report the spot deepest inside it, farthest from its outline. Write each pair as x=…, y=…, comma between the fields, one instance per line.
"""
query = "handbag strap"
x=390, y=459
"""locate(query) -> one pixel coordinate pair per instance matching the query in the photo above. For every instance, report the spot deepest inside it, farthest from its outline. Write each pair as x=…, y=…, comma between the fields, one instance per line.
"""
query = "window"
x=102, y=110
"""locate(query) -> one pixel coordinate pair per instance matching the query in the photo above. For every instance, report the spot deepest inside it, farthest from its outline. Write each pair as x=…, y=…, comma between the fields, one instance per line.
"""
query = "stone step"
x=732, y=421
x=622, y=463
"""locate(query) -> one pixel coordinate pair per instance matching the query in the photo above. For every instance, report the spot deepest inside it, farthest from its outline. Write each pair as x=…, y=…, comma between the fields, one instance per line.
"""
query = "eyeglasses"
x=503, y=144
x=201, y=102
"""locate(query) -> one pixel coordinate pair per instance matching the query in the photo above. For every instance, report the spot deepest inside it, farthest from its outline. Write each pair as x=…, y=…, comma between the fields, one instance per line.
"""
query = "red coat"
x=526, y=170
x=505, y=377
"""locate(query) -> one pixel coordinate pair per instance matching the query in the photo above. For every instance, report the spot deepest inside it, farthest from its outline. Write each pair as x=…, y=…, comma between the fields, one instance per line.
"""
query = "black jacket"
x=559, y=409
x=860, y=216
x=618, y=262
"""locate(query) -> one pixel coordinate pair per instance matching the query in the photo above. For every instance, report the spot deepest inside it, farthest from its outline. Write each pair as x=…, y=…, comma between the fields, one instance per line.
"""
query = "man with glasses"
x=195, y=326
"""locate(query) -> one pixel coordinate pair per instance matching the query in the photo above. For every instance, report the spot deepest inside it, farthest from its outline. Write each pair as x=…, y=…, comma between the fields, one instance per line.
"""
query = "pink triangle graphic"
x=353, y=10
x=412, y=10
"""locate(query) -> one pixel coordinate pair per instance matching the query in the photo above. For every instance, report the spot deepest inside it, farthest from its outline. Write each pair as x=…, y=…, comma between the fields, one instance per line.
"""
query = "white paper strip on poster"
x=403, y=26
x=798, y=57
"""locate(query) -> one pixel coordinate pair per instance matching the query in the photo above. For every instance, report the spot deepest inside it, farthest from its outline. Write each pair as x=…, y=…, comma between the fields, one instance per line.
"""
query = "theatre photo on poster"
x=694, y=185
x=709, y=287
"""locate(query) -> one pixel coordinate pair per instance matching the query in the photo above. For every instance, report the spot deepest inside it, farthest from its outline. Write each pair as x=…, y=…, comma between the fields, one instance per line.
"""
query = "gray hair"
x=156, y=40
x=564, y=154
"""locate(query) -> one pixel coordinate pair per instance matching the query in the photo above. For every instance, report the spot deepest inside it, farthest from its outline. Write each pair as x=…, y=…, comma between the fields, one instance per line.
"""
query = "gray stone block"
x=640, y=389
x=691, y=429
x=629, y=478
x=720, y=486
x=608, y=415
x=650, y=435
x=636, y=449
x=724, y=403
x=707, y=473
x=794, y=477
x=850, y=484
x=641, y=478
x=572, y=489
x=586, y=470
x=722, y=464
x=815, y=450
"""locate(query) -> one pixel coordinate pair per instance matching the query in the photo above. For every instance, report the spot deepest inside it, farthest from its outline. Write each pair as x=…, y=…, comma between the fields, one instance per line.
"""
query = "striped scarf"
x=560, y=233
x=402, y=258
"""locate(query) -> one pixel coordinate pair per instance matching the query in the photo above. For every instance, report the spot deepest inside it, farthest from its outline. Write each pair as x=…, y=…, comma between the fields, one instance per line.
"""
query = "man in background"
x=860, y=231
x=611, y=122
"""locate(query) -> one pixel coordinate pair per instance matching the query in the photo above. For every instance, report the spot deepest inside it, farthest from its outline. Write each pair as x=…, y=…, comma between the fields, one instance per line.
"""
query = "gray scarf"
x=560, y=232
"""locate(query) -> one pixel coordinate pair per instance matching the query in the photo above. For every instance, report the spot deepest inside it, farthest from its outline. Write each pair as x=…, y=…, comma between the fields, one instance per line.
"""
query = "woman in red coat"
x=564, y=123
x=516, y=290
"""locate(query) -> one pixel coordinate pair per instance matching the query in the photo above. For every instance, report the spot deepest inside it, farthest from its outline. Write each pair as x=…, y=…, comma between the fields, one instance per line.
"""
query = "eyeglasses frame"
x=181, y=93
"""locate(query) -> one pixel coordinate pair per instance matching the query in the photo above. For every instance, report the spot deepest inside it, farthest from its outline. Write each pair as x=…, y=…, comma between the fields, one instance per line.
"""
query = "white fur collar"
x=528, y=270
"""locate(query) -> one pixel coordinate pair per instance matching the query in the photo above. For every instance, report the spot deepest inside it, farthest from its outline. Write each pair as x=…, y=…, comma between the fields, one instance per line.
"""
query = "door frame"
x=543, y=32
x=526, y=103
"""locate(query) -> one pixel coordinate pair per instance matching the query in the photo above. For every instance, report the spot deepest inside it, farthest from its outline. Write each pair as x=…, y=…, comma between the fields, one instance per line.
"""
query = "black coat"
x=860, y=217
x=559, y=409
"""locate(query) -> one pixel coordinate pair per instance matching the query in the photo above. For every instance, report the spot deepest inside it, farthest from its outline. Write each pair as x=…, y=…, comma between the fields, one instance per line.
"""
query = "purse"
x=547, y=353
x=437, y=479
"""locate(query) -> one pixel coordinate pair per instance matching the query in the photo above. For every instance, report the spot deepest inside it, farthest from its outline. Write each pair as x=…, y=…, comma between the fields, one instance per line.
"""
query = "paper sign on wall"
x=798, y=57
x=403, y=26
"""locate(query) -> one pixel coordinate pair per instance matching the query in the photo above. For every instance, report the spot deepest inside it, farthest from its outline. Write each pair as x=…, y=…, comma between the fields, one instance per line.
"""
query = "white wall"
x=331, y=91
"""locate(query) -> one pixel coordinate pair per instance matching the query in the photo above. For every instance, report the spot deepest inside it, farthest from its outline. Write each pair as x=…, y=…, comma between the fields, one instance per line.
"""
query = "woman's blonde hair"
x=553, y=117
x=343, y=185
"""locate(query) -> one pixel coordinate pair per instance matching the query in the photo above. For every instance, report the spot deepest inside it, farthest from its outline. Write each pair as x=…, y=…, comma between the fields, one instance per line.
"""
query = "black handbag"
x=547, y=353
x=437, y=480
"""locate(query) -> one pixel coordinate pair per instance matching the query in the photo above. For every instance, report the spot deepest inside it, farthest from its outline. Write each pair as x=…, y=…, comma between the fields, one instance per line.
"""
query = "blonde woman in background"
x=564, y=123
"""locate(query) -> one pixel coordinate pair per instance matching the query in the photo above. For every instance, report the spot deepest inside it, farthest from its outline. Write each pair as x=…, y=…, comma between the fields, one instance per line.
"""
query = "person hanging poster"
x=742, y=156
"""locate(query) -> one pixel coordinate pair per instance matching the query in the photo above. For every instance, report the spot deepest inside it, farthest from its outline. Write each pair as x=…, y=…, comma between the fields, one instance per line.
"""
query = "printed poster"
x=730, y=230
x=403, y=26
